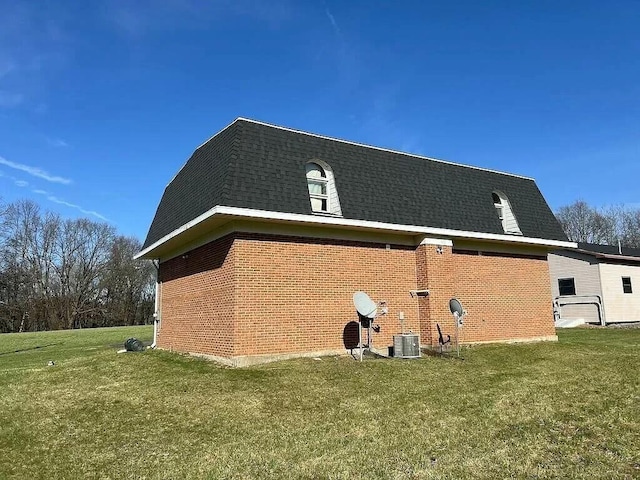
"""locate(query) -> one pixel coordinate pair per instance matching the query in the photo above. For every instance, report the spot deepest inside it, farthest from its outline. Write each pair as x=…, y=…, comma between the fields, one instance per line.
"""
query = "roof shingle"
x=259, y=166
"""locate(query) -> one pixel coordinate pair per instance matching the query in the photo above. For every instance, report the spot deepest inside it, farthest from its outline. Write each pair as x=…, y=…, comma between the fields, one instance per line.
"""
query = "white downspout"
x=156, y=316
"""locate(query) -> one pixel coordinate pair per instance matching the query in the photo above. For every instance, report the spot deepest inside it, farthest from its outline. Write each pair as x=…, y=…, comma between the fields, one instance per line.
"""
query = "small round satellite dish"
x=456, y=307
x=364, y=305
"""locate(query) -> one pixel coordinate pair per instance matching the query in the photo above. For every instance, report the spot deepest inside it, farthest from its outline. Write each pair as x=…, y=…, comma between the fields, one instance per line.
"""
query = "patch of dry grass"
x=565, y=410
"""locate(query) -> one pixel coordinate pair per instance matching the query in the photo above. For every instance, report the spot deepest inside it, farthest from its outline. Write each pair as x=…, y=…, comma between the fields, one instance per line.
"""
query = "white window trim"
x=504, y=210
x=331, y=194
x=320, y=196
x=500, y=209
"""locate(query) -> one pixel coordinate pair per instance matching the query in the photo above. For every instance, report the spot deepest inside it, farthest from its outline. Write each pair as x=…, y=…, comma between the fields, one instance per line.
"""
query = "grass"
x=556, y=410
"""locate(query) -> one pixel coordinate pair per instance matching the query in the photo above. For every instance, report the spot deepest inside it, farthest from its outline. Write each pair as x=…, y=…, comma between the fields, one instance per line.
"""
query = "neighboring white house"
x=595, y=284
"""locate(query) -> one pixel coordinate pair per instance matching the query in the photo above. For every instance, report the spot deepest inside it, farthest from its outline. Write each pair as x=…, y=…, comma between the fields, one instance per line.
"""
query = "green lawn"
x=557, y=410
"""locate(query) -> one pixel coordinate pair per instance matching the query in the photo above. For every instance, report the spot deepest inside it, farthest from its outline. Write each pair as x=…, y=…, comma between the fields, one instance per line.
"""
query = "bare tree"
x=82, y=254
x=583, y=223
x=20, y=276
x=128, y=283
x=630, y=228
x=68, y=274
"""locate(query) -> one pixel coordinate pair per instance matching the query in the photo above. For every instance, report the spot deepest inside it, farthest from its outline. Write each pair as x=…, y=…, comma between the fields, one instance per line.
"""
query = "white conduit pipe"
x=155, y=309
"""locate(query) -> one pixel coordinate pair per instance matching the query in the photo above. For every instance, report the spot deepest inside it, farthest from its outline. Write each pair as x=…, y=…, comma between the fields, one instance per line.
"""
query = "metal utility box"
x=406, y=345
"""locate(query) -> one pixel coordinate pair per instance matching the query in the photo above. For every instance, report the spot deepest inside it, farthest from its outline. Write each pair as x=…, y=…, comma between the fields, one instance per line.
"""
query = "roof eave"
x=610, y=256
x=220, y=214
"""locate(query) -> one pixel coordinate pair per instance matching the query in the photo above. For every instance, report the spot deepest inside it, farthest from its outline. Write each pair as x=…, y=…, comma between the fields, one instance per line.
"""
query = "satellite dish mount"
x=368, y=310
x=458, y=315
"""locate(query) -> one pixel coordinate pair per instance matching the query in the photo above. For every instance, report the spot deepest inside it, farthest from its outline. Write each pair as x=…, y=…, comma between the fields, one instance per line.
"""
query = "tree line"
x=607, y=226
x=59, y=274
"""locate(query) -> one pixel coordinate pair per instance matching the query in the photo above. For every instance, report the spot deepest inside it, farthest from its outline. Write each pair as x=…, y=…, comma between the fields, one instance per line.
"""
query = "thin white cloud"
x=16, y=181
x=334, y=24
x=57, y=142
x=35, y=171
x=59, y=201
x=77, y=207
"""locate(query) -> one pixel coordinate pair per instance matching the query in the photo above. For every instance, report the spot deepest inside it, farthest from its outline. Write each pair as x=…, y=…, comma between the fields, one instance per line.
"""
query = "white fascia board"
x=248, y=213
x=437, y=241
x=200, y=218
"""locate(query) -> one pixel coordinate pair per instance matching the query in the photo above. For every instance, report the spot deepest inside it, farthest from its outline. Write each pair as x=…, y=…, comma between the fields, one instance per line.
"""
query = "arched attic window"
x=505, y=213
x=322, y=188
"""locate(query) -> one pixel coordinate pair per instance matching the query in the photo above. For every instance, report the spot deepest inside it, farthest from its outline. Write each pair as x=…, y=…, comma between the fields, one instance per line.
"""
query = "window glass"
x=315, y=171
x=317, y=183
x=626, y=285
x=567, y=286
x=319, y=188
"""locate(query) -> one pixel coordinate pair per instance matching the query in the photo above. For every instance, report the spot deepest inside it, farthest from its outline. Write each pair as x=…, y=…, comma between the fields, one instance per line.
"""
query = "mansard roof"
x=256, y=166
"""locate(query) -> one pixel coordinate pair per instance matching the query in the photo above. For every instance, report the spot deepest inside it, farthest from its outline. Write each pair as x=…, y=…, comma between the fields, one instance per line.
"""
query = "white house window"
x=626, y=285
x=505, y=214
x=322, y=188
x=318, y=187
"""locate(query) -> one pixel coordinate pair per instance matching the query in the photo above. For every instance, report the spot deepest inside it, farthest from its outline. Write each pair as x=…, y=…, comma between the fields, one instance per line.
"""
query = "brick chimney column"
x=434, y=272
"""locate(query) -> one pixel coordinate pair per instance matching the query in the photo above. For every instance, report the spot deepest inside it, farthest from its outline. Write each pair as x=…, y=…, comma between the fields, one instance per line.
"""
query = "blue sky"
x=101, y=102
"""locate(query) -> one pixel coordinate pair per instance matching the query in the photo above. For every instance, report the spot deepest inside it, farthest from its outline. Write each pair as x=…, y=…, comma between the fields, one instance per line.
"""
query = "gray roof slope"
x=609, y=249
x=258, y=166
x=200, y=185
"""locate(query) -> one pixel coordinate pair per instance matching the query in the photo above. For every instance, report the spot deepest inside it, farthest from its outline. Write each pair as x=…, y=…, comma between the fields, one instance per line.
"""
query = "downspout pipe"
x=156, y=316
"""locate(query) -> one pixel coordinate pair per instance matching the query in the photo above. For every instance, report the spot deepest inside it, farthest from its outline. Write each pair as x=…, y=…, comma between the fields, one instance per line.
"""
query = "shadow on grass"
x=28, y=349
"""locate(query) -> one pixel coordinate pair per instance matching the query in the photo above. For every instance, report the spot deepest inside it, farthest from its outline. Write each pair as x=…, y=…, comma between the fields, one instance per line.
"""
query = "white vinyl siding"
x=505, y=213
x=621, y=307
x=586, y=276
x=334, y=201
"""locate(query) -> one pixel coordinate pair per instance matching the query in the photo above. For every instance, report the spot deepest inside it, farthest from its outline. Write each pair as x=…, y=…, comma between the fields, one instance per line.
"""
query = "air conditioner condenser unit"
x=406, y=345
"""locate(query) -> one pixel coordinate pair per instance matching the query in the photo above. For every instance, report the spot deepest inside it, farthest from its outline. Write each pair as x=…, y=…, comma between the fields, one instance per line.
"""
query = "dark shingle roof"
x=609, y=249
x=258, y=166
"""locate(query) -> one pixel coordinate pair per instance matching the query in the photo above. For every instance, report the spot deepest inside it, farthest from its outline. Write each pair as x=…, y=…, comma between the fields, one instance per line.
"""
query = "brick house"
x=595, y=284
x=265, y=233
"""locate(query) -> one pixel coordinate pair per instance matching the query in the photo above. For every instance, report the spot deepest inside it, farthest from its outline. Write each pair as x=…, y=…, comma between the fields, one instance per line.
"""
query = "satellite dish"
x=364, y=305
x=456, y=307
x=458, y=313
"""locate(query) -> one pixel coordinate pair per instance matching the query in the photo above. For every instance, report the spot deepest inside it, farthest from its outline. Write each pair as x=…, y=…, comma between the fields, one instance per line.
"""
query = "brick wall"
x=296, y=293
x=253, y=294
x=197, y=300
x=508, y=297
x=435, y=268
